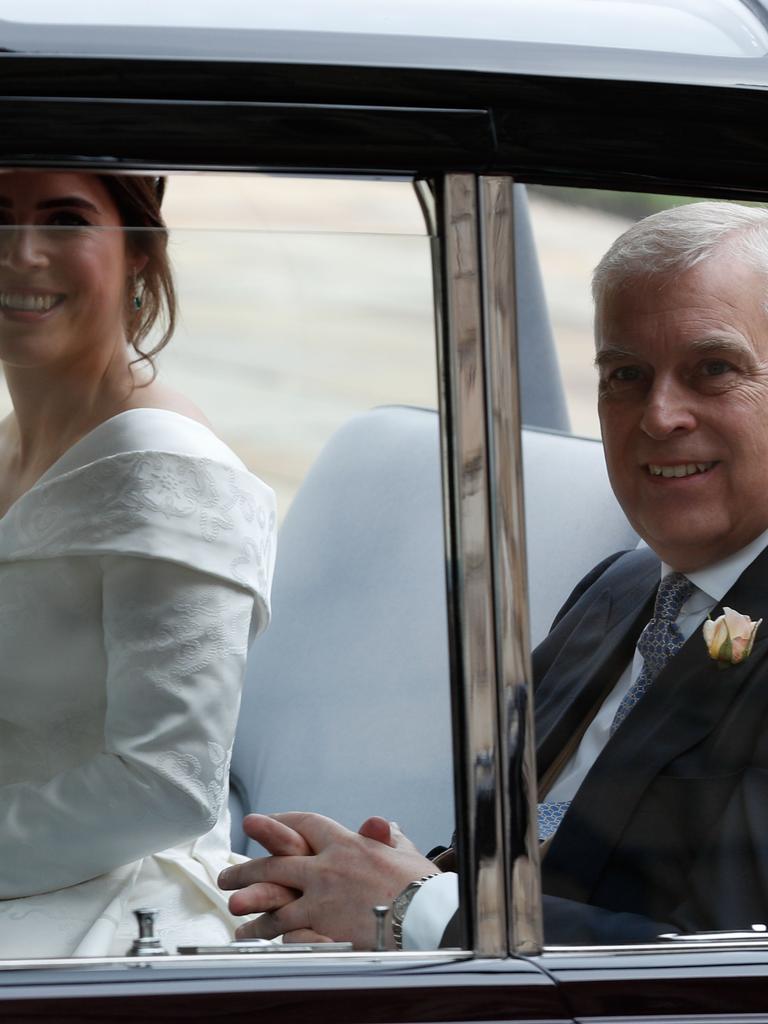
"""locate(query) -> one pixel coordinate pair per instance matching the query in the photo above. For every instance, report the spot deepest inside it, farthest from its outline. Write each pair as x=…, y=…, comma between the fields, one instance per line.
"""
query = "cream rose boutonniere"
x=730, y=637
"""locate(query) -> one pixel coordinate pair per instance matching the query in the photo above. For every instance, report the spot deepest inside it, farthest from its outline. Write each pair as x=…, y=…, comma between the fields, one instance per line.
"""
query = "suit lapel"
x=684, y=704
x=596, y=653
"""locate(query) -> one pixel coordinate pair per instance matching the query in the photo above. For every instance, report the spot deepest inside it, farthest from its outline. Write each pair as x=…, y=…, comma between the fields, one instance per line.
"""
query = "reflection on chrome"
x=470, y=561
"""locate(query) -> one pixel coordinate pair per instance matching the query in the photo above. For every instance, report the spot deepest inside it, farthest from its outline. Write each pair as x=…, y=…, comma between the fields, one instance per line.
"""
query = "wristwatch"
x=401, y=903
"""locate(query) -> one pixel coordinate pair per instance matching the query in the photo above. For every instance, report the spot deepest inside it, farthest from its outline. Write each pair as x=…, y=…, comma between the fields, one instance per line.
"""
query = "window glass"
x=570, y=239
x=137, y=569
x=651, y=772
x=322, y=310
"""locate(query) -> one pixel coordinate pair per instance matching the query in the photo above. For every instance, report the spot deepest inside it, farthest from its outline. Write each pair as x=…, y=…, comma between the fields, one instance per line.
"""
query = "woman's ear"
x=137, y=262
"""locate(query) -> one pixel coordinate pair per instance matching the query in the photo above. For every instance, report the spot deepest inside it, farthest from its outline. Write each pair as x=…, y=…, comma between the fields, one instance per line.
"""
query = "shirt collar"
x=717, y=579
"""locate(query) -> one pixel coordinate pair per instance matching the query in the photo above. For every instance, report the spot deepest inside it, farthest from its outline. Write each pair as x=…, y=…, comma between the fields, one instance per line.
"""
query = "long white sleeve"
x=175, y=643
x=132, y=577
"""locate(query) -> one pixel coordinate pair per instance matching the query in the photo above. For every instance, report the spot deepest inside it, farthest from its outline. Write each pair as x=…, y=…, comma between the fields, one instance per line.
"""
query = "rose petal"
x=738, y=625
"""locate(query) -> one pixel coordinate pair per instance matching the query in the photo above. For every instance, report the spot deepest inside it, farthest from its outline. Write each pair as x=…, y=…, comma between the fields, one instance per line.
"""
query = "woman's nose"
x=21, y=248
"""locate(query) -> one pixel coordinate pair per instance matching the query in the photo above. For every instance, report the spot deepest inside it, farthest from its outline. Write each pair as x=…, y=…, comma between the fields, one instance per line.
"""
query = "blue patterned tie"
x=551, y=813
x=660, y=639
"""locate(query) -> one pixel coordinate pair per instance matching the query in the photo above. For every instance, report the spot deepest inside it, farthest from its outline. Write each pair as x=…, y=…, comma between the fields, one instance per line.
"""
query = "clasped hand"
x=321, y=879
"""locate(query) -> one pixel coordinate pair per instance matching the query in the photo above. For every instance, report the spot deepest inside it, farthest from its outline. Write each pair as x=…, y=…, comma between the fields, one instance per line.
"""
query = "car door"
x=471, y=124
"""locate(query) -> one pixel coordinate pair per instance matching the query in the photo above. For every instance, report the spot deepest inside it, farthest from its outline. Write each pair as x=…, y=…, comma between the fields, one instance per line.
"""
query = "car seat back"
x=346, y=709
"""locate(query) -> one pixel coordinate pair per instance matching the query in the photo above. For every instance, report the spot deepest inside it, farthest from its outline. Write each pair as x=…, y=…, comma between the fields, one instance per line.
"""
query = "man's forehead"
x=685, y=323
x=724, y=286
x=721, y=343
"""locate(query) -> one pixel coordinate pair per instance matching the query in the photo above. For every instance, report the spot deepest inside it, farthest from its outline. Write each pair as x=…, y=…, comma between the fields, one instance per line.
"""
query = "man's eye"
x=715, y=367
x=621, y=379
x=625, y=373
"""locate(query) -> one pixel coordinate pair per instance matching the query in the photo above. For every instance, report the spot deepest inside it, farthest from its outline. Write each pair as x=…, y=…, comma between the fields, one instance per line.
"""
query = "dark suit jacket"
x=669, y=830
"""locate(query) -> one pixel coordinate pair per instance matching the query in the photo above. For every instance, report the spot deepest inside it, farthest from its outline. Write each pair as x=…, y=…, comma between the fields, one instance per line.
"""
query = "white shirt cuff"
x=430, y=910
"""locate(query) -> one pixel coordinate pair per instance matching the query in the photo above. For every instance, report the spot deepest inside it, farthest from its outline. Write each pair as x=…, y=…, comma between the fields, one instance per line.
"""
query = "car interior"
x=311, y=157
x=366, y=675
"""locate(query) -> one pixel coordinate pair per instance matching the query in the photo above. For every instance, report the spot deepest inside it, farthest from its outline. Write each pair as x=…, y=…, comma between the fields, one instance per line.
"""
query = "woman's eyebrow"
x=77, y=201
x=51, y=204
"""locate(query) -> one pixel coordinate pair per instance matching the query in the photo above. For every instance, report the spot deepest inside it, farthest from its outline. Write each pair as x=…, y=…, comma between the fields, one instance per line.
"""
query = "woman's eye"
x=67, y=219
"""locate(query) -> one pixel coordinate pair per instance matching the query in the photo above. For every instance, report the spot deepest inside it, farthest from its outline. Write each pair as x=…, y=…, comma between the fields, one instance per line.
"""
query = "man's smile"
x=680, y=469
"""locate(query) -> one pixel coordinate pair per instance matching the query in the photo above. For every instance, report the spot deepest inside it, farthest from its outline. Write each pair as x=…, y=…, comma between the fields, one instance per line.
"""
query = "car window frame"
x=485, y=170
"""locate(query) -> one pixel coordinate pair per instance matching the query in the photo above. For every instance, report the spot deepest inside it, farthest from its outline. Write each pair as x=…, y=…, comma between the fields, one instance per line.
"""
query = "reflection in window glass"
x=652, y=773
x=286, y=334
x=137, y=570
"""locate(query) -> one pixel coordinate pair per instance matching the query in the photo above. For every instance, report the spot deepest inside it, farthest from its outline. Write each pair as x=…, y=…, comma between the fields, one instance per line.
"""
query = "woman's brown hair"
x=138, y=200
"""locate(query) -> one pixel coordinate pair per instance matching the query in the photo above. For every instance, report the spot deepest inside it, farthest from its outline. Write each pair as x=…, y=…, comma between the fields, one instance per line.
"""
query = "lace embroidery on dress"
x=195, y=636
x=130, y=583
x=204, y=503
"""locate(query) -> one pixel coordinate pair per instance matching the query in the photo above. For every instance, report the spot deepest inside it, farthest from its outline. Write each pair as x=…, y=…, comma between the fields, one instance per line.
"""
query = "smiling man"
x=683, y=363
x=652, y=756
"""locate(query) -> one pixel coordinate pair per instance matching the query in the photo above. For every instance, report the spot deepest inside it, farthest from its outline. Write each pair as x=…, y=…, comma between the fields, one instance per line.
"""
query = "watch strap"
x=400, y=905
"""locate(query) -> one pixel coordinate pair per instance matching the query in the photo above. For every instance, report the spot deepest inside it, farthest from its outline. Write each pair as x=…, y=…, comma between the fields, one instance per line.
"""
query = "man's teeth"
x=684, y=469
x=27, y=303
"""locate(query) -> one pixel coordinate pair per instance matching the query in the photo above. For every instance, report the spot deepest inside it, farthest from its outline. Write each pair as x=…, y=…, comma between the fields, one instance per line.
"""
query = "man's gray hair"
x=668, y=243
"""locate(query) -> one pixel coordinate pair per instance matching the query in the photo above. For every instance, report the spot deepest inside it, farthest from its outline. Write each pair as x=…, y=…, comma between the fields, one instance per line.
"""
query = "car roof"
x=309, y=99
x=486, y=35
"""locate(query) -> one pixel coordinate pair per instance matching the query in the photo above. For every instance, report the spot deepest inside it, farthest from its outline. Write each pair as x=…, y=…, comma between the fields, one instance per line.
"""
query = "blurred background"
x=305, y=301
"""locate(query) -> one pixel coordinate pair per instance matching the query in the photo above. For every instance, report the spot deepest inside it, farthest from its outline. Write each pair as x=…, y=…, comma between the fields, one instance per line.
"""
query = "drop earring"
x=136, y=295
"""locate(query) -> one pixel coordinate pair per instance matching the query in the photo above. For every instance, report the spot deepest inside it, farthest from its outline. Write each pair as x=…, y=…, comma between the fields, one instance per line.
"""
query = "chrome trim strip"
x=425, y=197
x=713, y=1017
x=505, y=459
x=573, y=953
x=391, y=958
x=461, y=366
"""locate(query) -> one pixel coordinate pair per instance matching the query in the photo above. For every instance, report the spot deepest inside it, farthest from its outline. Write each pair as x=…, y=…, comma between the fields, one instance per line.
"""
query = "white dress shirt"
x=437, y=900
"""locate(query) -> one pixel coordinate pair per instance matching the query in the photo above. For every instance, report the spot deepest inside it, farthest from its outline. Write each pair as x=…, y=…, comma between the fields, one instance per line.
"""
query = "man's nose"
x=668, y=409
x=21, y=248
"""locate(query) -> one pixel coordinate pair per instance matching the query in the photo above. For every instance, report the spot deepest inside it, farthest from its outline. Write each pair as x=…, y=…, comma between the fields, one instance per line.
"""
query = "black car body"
x=468, y=117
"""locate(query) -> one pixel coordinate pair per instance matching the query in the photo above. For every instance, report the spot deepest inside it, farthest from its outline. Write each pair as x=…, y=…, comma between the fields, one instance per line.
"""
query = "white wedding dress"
x=133, y=576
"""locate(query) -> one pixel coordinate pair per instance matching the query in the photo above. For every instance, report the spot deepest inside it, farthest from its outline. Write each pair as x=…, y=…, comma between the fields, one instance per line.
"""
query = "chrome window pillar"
x=485, y=549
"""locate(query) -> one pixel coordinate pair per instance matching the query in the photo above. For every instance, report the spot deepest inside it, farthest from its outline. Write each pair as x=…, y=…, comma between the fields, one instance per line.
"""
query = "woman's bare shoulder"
x=158, y=396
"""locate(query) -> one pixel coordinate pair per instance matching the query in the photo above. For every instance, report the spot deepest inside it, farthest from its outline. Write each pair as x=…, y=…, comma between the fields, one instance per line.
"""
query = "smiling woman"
x=126, y=614
x=54, y=224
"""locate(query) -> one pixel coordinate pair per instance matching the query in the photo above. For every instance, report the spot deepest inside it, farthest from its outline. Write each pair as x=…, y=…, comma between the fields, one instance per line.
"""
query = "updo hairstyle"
x=138, y=200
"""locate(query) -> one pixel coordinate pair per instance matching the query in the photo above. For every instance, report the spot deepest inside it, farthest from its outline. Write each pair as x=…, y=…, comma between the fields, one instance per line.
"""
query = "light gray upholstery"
x=572, y=519
x=346, y=709
x=542, y=398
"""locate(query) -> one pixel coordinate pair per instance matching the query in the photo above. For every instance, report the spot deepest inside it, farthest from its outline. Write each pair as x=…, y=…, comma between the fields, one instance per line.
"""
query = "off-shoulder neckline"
x=109, y=423
x=60, y=466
